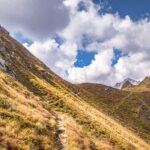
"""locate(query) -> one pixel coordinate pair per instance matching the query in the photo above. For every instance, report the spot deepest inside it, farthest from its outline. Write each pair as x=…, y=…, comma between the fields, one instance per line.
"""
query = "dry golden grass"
x=79, y=138
x=24, y=123
x=113, y=129
x=138, y=89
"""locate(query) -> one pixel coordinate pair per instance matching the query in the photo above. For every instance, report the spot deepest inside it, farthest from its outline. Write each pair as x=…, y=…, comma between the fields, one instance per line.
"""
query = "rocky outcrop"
x=3, y=65
x=127, y=83
x=3, y=31
x=62, y=135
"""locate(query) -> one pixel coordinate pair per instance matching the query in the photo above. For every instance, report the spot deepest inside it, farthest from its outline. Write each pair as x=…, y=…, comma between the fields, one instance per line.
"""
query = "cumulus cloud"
x=58, y=58
x=105, y=33
x=96, y=71
x=109, y=32
x=34, y=18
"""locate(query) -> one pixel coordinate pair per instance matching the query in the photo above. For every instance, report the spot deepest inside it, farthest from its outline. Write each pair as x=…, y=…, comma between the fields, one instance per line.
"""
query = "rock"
x=62, y=135
x=3, y=31
x=2, y=49
x=3, y=65
x=60, y=118
x=127, y=83
x=62, y=129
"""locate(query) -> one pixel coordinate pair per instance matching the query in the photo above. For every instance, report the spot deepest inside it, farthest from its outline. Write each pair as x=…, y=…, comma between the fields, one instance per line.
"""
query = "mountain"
x=126, y=83
x=41, y=111
x=145, y=82
x=131, y=108
x=143, y=86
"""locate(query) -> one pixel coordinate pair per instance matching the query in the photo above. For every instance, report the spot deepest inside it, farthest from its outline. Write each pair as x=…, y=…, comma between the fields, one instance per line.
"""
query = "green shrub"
x=4, y=104
x=11, y=116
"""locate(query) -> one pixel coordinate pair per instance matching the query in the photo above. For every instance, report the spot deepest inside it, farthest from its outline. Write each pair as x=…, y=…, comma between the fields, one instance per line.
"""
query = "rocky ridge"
x=126, y=83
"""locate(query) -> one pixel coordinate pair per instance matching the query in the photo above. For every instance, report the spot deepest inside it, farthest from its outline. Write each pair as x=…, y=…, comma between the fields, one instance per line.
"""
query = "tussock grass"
x=24, y=122
x=4, y=103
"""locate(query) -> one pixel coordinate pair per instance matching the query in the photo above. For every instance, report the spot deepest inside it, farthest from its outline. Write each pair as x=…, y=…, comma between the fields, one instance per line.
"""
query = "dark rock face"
x=3, y=31
x=2, y=64
x=127, y=84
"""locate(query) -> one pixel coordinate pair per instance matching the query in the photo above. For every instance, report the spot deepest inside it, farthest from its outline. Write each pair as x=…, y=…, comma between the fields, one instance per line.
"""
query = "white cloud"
x=59, y=59
x=96, y=71
x=36, y=19
x=135, y=66
x=107, y=32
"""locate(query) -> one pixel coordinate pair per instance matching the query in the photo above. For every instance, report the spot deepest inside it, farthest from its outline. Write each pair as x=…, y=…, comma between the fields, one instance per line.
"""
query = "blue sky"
x=117, y=55
x=21, y=38
x=84, y=58
x=134, y=8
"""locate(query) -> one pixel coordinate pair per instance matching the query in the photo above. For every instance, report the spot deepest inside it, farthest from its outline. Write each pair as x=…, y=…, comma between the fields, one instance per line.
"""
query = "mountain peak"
x=128, y=82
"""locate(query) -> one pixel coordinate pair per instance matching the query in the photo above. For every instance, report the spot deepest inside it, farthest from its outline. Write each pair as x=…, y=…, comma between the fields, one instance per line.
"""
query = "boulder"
x=3, y=65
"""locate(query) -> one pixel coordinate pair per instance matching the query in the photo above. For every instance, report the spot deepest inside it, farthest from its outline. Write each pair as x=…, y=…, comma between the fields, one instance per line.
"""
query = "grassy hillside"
x=129, y=107
x=24, y=122
x=33, y=98
x=143, y=87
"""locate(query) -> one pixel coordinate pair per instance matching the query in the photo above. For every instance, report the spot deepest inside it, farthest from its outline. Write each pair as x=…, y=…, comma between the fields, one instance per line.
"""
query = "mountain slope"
x=143, y=86
x=24, y=122
x=132, y=109
x=33, y=98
